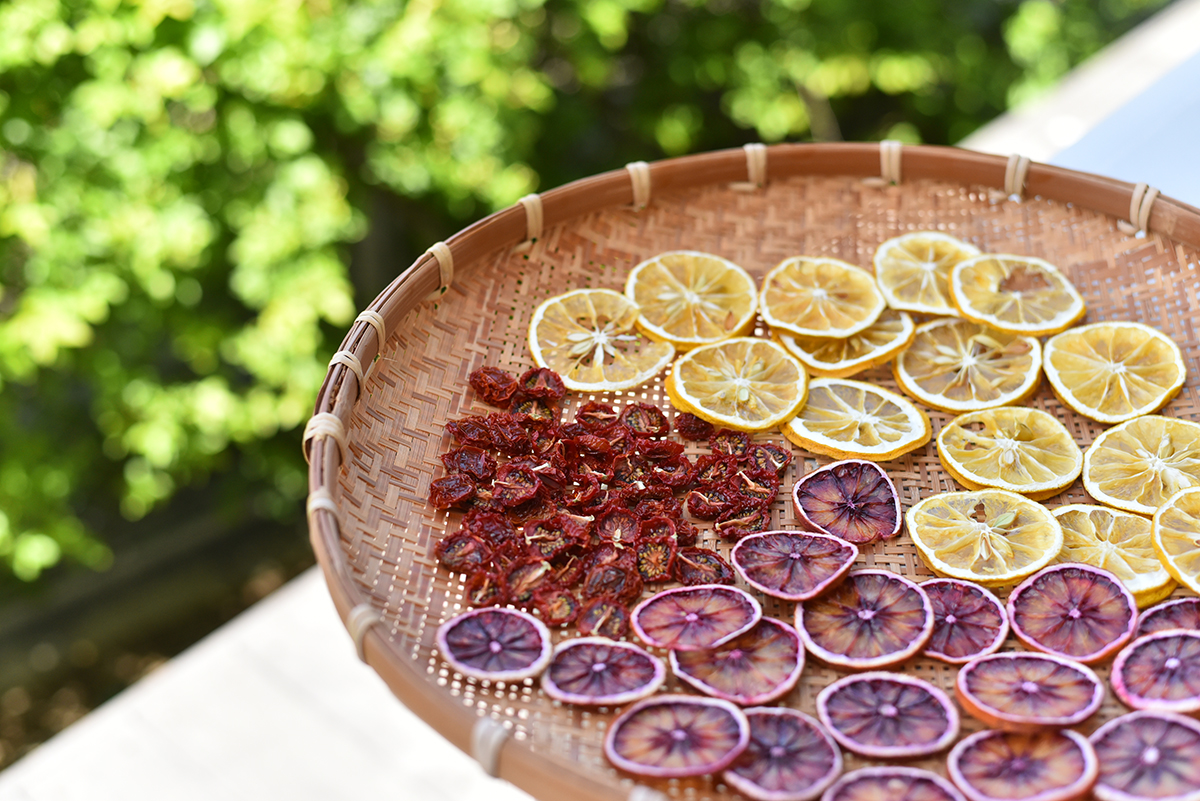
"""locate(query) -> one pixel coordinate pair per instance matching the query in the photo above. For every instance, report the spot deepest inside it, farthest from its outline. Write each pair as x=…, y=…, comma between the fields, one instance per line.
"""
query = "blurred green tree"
x=182, y=182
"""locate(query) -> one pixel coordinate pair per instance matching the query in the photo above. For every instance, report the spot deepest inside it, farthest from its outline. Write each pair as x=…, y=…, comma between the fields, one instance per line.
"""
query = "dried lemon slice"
x=992, y=537
x=853, y=419
x=833, y=357
x=589, y=337
x=913, y=271
x=1118, y=542
x=820, y=297
x=1012, y=448
x=1139, y=464
x=689, y=298
x=744, y=383
x=1018, y=294
x=1176, y=532
x=961, y=366
x=1112, y=372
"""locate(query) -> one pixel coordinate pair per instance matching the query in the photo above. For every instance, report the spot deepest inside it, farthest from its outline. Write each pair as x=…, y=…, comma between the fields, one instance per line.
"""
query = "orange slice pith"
x=1028, y=692
x=1137, y=465
x=842, y=357
x=1119, y=542
x=1017, y=294
x=892, y=783
x=820, y=297
x=913, y=270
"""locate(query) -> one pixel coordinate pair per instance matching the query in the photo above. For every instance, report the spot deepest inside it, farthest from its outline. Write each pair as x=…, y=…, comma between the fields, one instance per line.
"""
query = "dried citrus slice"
x=1148, y=755
x=1139, y=464
x=753, y=668
x=961, y=366
x=743, y=383
x=1014, y=448
x=847, y=419
x=853, y=500
x=913, y=270
x=1181, y=613
x=1160, y=671
x=496, y=644
x=695, y=618
x=792, y=565
x=589, y=337
x=892, y=784
x=1116, y=541
x=991, y=537
x=1113, y=372
x=888, y=715
x=819, y=297
x=968, y=621
x=1074, y=611
x=994, y=765
x=842, y=357
x=789, y=758
x=1018, y=294
x=872, y=619
x=1176, y=535
x=689, y=298
x=671, y=736
x=597, y=671
x=1027, y=692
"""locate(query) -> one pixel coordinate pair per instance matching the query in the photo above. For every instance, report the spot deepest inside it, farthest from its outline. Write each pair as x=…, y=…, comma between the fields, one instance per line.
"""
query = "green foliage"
x=182, y=183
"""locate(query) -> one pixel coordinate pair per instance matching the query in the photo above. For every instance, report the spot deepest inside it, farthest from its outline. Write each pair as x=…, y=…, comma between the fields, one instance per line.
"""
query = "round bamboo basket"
x=401, y=374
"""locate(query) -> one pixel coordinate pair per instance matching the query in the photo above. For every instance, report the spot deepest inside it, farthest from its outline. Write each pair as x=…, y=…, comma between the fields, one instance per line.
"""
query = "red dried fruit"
x=671, y=736
x=656, y=558
x=760, y=487
x=630, y=471
x=1148, y=755
x=551, y=477
x=543, y=439
x=697, y=566
x=770, y=458
x=463, y=553
x=475, y=462
x=567, y=568
x=793, y=565
x=709, y=503
x=595, y=671
x=645, y=420
x=1160, y=672
x=730, y=442
x=695, y=618
x=789, y=758
x=527, y=576
x=596, y=417
x=533, y=413
x=493, y=526
x=852, y=499
x=493, y=385
x=557, y=606
x=471, y=430
x=715, y=469
x=620, y=438
x=888, y=715
x=575, y=495
x=495, y=644
x=655, y=527
x=658, y=450
x=743, y=518
x=538, y=506
x=514, y=485
x=543, y=383
x=756, y=667
x=1028, y=692
x=689, y=426
x=1181, y=613
x=619, y=581
x=658, y=507
x=604, y=617
x=552, y=535
x=608, y=554
x=892, y=784
x=1047, y=766
x=968, y=621
x=508, y=435
x=686, y=535
x=675, y=473
x=451, y=490
x=617, y=526
x=486, y=589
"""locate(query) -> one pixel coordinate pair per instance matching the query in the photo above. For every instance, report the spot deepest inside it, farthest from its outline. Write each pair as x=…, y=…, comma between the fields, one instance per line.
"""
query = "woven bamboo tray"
x=374, y=443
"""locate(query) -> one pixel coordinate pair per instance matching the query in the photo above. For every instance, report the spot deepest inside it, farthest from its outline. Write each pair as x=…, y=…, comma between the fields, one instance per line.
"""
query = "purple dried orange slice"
x=892, y=784
x=968, y=621
x=872, y=619
x=789, y=757
x=672, y=736
x=596, y=671
x=1182, y=613
x=792, y=565
x=695, y=618
x=1073, y=610
x=1056, y=765
x=1148, y=755
x=852, y=499
x=753, y=668
x=1026, y=692
x=888, y=715
x=1160, y=672
x=495, y=643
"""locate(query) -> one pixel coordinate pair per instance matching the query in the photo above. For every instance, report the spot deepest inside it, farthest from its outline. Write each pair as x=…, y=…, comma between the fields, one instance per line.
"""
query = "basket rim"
x=536, y=773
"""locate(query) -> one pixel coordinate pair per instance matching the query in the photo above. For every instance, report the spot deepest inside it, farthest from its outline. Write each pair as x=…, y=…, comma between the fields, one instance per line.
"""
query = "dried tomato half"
x=675, y=473
x=452, y=490
x=770, y=457
x=630, y=470
x=695, y=566
x=659, y=450
x=603, y=617
x=650, y=528
x=596, y=417
x=514, y=485
x=475, y=462
x=486, y=589
x=749, y=515
x=493, y=385
x=508, y=435
x=756, y=486
x=533, y=412
x=728, y=441
x=686, y=533
x=709, y=503
x=557, y=606
x=471, y=430
x=715, y=468
x=493, y=527
x=656, y=559
x=551, y=536
x=645, y=420
x=617, y=526
x=526, y=577
x=689, y=426
x=620, y=581
x=463, y=552
x=543, y=383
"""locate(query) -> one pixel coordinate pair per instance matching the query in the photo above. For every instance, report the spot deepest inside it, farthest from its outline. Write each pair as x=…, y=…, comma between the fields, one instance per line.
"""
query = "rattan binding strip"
x=756, y=168
x=375, y=320
x=358, y=623
x=325, y=424
x=1015, y=174
x=347, y=359
x=445, y=260
x=1141, y=202
x=639, y=177
x=487, y=740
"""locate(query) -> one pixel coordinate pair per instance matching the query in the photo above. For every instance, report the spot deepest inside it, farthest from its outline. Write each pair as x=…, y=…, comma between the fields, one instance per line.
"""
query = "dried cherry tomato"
x=732, y=534
x=656, y=559
x=463, y=552
x=715, y=468
x=769, y=457
x=695, y=566
x=749, y=515
x=596, y=417
x=493, y=385
x=630, y=470
x=728, y=441
x=551, y=536
x=475, y=462
x=571, y=430
x=620, y=438
x=533, y=412
x=603, y=617
x=686, y=533
x=542, y=439
x=543, y=383
x=515, y=485
x=557, y=606
x=452, y=490
x=486, y=589
x=620, y=581
x=617, y=526
x=645, y=420
x=658, y=450
x=536, y=507
x=471, y=430
x=761, y=487
x=608, y=554
x=526, y=577
x=709, y=503
x=689, y=426
x=650, y=528
x=551, y=477
x=567, y=568
x=675, y=473
x=508, y=436
x=493, y=527
x=577, y=495
x=656, y=507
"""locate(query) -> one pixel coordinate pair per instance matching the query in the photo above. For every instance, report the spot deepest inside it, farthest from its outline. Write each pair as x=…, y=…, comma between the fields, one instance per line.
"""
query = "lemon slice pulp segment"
x=1139, y=464
x=1116, y=541
x=853, y=419
x=689, y=298
x=913, y=270
x=744, y=383
x=842, y=357
x=1112, y=372
x=961, y=366
x=992, y=537
x=1176, y=534
x=820, y=297
x=589, y=337
x=1012, y=448
x=1019, y=294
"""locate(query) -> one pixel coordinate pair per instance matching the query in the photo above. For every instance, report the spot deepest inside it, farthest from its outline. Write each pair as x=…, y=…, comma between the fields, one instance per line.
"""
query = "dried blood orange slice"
x=789, y=758
x=1160, y=672
x=695, y=618
x=495, y=643
x=892, y=784
x=852, y=499
x=1028, y=692
x=871, y=620
x=968, y=621
x=753, y=668
x=1048, y=766
x=672, y=736
x=1073, y=610
x=1182, y=613
x=598, y=671
x=888, y=715
x=792, y=565
x=1148, y=755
